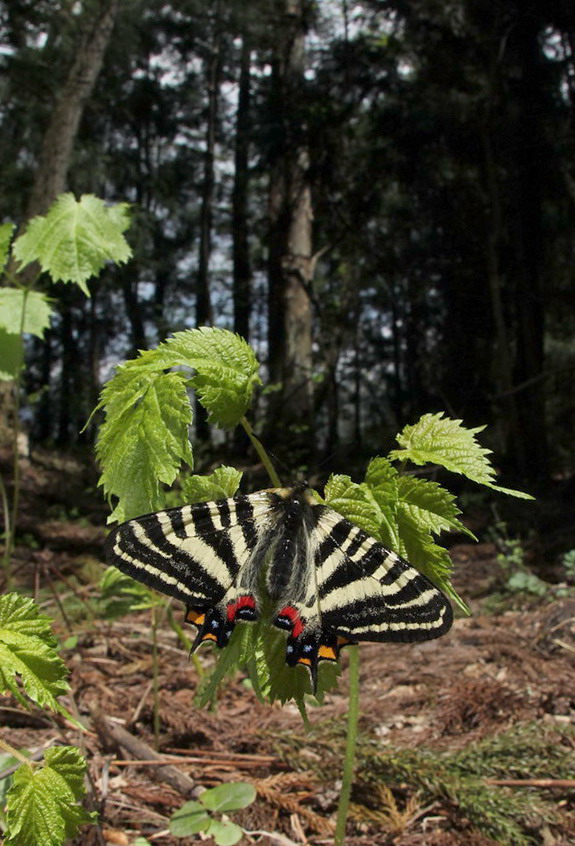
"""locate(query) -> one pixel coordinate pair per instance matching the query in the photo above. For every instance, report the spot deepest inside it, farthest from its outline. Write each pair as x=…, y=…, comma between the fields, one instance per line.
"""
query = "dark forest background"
x=379, y=195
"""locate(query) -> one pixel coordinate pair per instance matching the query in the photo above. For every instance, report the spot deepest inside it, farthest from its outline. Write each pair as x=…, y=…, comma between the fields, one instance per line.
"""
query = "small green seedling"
x=197, y=815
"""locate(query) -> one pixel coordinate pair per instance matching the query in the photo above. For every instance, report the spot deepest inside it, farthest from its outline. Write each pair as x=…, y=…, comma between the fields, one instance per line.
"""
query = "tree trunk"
x=204, y=312
x=241, y=252
x=58, y=142
x=68, y=364
x=129, y=276
x=290, y=243
x=51, y=173
x=531, y=452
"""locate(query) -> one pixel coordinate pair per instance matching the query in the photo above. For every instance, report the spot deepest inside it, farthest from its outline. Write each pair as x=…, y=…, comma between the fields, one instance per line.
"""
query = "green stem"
x=259, y=448
x=7, y=535
x=11, y=535
x=14, y=752
x=350, y=745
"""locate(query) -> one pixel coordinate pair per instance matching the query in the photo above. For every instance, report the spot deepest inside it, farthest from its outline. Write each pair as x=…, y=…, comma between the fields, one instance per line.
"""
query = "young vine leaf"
x=28, y=652
x=436, y=439
x=42, y=802
x=75, y=239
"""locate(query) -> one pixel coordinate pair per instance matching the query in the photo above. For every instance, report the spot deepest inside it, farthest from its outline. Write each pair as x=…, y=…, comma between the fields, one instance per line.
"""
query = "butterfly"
x=329, y=583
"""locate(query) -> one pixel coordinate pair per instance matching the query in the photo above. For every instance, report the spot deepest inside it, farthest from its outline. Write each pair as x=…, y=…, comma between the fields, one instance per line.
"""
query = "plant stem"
x=14, y=752
x=7, y=536
x=350, y=745
x=259, y=448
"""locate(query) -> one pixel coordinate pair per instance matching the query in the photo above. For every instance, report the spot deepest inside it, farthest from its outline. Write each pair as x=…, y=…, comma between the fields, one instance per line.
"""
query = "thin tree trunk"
x=502, y=355
x=58, y=142
x=241, y=252
x=68, y=355
x=290, y=242
x=129, y=277
x=204, y=312
x=531, y=451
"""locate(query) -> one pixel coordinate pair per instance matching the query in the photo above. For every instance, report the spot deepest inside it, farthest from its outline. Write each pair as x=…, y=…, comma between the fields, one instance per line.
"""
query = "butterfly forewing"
x=193, y=553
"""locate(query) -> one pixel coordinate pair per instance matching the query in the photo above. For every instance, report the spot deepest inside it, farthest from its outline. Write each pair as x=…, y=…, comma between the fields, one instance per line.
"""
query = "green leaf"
x=75, y=239
x=190, y=819
x=144, y=439
x=11, y=355
x=352, y=501
x=28, y=651
x=430, y=505
x=225, y=832
x=7, y=761
x=42, y=802
x=6, y=230
x=226, y=369
x=221, y=484
x=228, y=797
x=36, y=308
x=435, y=439
x=382, y=489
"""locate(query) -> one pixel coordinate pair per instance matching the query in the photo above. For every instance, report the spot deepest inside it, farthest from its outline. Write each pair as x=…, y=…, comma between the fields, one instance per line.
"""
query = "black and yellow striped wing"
x=330, y=582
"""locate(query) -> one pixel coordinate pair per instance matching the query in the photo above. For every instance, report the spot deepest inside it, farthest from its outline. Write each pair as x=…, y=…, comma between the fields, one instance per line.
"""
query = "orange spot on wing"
x=327, y=652
x=305, y=661
x=197, y=618
x=209, y=636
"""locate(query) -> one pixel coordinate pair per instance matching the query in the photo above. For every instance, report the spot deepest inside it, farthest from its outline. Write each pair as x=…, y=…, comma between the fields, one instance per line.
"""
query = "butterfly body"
x=328, y=582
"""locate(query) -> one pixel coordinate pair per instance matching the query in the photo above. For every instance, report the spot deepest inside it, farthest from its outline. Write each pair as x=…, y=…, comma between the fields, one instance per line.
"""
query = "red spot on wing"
x=245, y=601
x=293, y=616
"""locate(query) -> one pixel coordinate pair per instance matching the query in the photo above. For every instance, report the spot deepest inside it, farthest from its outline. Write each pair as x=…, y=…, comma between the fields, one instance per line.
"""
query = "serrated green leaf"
x=351, y=501
x=28, y=651
x=221, y=484
x=436, y=439
x=11, y=355
x=381, y=486
x=144, y=439
x=226, y=369
x=224, y=832
x=42, y=802
x=190, y=819
x=6, y=230
x=430, y=505
x=228, y=797
x=75, y=239
x=24, y=311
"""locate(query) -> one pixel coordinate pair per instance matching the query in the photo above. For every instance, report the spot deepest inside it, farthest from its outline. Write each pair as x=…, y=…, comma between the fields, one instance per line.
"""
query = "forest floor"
x=466, y=740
